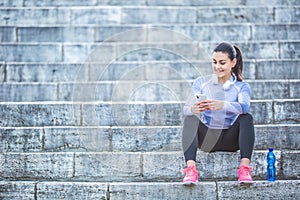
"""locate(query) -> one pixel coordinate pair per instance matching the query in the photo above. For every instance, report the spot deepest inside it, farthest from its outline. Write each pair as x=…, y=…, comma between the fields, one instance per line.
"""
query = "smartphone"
x=200, y=97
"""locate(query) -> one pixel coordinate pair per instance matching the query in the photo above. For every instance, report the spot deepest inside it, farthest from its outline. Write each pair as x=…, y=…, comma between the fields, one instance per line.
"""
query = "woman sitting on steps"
x=219, y=119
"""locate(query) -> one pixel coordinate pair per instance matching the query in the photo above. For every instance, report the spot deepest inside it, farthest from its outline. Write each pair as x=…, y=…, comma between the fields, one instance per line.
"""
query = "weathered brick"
x=75, y=53
x=125, y=91
x=100, y=16
x=287, y=111
x=17, y=190
x=203, y=190
x=27, y=92
x=39, y=114
x=290, y=50
x=3, y=73
x=108, y=166
x=117, y=33
x=37, y=165
x=149, y=52
x=58, y=3
x=294, y=89
x=31, y=52
x=146, y=139
x=7, y=34
x=77, y=139
x=28, y=16
x=8, y=3
x=125, y=114
x=281, y=69
x=85, y=92
x=158, y=15
x=40, y=34
x=220, y=3
x=55, y=34
x=287, y=14
x=278, y=136
x=269, y=89
x=259, y=190
x=261, y=112
x=291, y=166
x=275, y=32
x=249, y=70
x=169, y=170
x=71, y=190
x=263, y=50
x=147, y=71
x=236, y=15
x=219, y=32
x=292, y=31
x=169, y=3
x=21, y=139
x=271, y=2
x=58, y=72
x=98, y=114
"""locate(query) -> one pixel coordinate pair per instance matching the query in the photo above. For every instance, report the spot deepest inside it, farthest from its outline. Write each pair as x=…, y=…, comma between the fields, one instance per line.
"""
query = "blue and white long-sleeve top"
x=236, y=98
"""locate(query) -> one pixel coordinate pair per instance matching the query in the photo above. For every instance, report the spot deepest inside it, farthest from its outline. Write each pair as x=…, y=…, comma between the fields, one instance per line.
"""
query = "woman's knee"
x=246, y=117
x=188, y=120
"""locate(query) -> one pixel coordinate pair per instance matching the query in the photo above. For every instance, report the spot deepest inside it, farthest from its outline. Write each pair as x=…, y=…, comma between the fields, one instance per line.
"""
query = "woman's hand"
x=199, y=106
x=203, y=105
x=214, y=104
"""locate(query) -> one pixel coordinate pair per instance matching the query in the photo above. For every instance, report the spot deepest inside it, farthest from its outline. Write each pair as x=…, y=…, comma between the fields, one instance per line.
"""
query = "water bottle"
x=271, y=170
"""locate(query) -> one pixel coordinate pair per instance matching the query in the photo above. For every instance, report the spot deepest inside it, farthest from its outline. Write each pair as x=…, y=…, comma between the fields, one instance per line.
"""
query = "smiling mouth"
x=220, y=70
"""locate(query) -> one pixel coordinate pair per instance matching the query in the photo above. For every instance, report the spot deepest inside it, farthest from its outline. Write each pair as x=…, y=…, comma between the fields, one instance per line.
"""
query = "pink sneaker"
x=244, y=174
x=191, y=175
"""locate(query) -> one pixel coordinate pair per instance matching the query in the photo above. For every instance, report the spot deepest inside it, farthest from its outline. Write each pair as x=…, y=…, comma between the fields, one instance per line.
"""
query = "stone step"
x=131, y=139
x=138, y=166
x=27, y=114
x=116, y=15
x=203, y=32
x=139, y=51
x=143, y=70
x=141, y=90
x=210, y=190
x=92, y=3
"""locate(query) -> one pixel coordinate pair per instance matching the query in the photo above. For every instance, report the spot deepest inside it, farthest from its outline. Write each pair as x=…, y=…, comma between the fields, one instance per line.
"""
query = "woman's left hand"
x=215, y=104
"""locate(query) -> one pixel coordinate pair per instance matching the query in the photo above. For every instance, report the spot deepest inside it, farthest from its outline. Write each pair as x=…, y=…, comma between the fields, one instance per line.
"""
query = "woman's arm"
x=240, y=107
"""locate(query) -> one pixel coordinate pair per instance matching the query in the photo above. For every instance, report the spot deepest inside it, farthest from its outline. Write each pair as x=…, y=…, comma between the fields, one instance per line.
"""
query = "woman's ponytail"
x=238, y=68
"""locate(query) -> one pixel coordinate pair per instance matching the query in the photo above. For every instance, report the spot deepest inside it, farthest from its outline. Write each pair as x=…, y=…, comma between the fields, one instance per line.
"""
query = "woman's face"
x=222, y=65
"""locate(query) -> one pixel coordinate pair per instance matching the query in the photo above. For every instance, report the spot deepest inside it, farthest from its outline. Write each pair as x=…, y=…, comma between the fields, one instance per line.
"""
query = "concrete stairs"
x=92, y=92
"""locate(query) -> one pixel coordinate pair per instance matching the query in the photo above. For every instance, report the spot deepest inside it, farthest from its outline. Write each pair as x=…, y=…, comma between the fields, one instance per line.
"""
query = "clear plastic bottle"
x=271, y=169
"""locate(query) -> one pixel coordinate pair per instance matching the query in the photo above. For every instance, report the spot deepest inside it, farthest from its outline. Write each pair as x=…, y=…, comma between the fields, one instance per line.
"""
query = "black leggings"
x=240, y=136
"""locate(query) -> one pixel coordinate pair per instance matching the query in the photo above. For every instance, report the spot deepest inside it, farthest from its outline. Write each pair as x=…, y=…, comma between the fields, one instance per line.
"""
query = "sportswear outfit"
x=228, y=129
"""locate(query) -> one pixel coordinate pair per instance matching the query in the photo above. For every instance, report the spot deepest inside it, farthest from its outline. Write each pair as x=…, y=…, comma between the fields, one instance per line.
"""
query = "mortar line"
x=108, y=192
x=35, y=191
x=4, y=71
x=217, y=191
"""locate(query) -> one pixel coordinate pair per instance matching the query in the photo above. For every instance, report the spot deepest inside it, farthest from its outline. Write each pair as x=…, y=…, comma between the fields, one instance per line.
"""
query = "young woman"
x=219, y=120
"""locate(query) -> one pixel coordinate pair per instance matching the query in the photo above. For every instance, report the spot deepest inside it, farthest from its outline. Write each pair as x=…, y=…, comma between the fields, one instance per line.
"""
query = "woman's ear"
x=233, y=62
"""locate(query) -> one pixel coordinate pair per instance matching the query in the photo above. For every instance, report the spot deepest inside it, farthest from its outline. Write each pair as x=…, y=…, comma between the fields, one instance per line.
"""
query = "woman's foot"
x=191, y=175
x=244, y=174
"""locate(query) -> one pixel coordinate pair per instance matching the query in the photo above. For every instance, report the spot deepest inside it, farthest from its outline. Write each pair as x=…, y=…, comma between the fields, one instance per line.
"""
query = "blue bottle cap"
x=270, y=149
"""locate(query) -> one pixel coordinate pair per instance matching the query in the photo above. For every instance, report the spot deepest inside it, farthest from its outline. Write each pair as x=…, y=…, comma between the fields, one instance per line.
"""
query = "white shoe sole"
x=246, y=181
x=189, y=183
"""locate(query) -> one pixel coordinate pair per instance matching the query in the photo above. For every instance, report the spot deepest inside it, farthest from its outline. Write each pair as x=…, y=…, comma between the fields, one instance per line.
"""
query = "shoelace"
x=246, y=170
x=188, y=171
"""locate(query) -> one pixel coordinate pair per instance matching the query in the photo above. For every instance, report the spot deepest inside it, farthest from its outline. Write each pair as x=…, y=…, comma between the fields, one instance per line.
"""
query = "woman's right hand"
x=199, y=106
